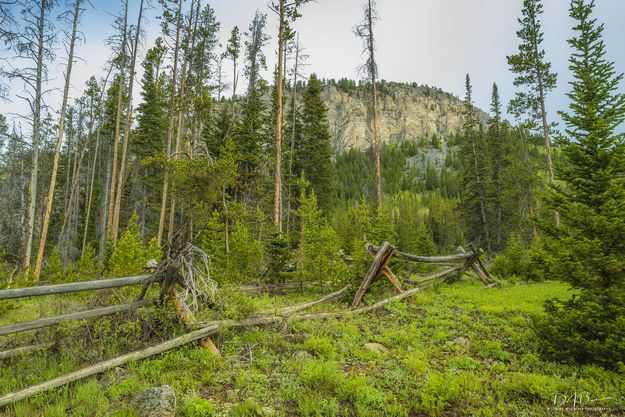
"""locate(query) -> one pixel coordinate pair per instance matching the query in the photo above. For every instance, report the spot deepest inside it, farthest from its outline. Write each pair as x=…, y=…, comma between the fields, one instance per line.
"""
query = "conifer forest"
x=312, y=208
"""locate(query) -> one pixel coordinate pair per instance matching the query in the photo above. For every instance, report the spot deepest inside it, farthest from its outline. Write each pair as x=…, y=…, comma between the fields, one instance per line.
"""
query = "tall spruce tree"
x=313, y=153
x=474, y=181
x=534, y=76
x=149, y=139
x=251, y=126
x=589, y=246
x=495, y=138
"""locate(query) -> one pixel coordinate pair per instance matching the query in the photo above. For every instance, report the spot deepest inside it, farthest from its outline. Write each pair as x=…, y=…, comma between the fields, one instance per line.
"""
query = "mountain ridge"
x=408, y=112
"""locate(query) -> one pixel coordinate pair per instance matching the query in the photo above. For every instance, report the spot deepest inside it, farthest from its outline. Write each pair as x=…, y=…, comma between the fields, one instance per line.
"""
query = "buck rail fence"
x=461, y=261
x=17, y=293
x=201, y=331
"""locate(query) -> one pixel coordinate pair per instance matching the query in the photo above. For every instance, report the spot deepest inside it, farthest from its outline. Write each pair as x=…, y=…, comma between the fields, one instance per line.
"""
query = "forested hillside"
x=182, y=162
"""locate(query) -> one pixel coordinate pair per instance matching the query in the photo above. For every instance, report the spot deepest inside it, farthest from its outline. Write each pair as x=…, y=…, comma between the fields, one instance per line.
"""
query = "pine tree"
x=251, y=127
x=495, y=141
x=589, y=246
x=534, y=75
x=319, y=244
x=149, y=139
x=313, y=154
x=473, y=174
x=129, y=257
x=287, y=12
x=278, y=253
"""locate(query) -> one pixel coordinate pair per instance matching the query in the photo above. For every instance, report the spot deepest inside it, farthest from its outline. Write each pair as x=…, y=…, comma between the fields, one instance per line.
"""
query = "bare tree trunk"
x=374, y=105
x=170, y=128
x=90, y=193
x=122, y=167
x=118, y=116
x=219, y=78
x=72, y=207
x=32, y=187
x=277, y=198
x=103, y=220
x=293, y=122
x=68, y=157
x=180, y=127
x=57, y=150
x=547, y=140
x=91, y=182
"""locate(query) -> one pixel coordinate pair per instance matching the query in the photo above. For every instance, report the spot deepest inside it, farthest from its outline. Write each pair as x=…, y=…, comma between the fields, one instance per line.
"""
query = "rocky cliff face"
x=407, y=113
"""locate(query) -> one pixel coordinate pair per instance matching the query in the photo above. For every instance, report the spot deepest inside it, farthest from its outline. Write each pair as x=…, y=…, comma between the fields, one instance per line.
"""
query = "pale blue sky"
x=434, y=42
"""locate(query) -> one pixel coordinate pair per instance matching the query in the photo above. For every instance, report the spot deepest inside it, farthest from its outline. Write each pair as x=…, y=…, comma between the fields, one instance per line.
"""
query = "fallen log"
x=24, y=350
x=81, y=315
x=426, y=259
x=437, y=275
x=77, y=286
x=179, y=341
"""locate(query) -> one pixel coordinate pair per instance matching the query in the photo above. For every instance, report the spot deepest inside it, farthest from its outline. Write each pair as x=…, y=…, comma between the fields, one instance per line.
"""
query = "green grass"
x=320, y=368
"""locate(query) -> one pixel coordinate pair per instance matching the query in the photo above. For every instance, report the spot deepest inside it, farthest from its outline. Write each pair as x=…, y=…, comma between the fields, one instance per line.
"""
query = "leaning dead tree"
x=57, y=150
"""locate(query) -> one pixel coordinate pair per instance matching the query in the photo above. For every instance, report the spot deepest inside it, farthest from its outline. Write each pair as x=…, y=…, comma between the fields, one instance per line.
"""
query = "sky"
x=432, y=42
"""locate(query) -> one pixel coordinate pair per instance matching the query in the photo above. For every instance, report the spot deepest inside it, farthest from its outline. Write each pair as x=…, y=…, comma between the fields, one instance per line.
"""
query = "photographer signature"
x=576, y=399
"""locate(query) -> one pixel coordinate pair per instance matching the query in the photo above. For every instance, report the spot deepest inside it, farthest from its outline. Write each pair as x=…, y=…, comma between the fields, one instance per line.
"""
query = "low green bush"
x=198, y=407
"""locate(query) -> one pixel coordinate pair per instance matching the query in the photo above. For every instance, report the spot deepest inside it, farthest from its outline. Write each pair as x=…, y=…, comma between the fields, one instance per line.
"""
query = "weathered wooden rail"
x=45, y=290
x=77, y=287
x=72, y=288
x=381, y=255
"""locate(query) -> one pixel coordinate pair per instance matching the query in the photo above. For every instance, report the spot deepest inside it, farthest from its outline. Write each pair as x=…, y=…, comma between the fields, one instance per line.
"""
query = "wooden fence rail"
x=81, y=315
x=426, y=259
x=77, y=286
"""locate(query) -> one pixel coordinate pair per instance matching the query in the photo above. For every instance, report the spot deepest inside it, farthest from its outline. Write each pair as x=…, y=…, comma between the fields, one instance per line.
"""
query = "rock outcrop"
x=407, y=113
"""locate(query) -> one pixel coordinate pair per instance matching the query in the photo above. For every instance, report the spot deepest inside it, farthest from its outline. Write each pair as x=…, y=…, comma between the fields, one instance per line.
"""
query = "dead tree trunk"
x=118, y=117
x=277, y=197
x=36, y=107
x=180, y=125
x=122, y=166
x=170, y=127
x=57, y=150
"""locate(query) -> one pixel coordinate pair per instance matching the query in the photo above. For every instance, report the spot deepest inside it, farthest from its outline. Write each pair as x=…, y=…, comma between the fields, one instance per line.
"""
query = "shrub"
x=439, y=393
x=249, y=408
x=588, y=328
x=320, y=346
x=463, y=362
x=129, y=256
x=528, y=262
x=491, y=349
x=314, y=405
x=366, y=398
x=198, y=407
x=321, y=375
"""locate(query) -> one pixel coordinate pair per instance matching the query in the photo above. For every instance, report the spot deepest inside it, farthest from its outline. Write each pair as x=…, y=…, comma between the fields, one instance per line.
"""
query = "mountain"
x=408, y=112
